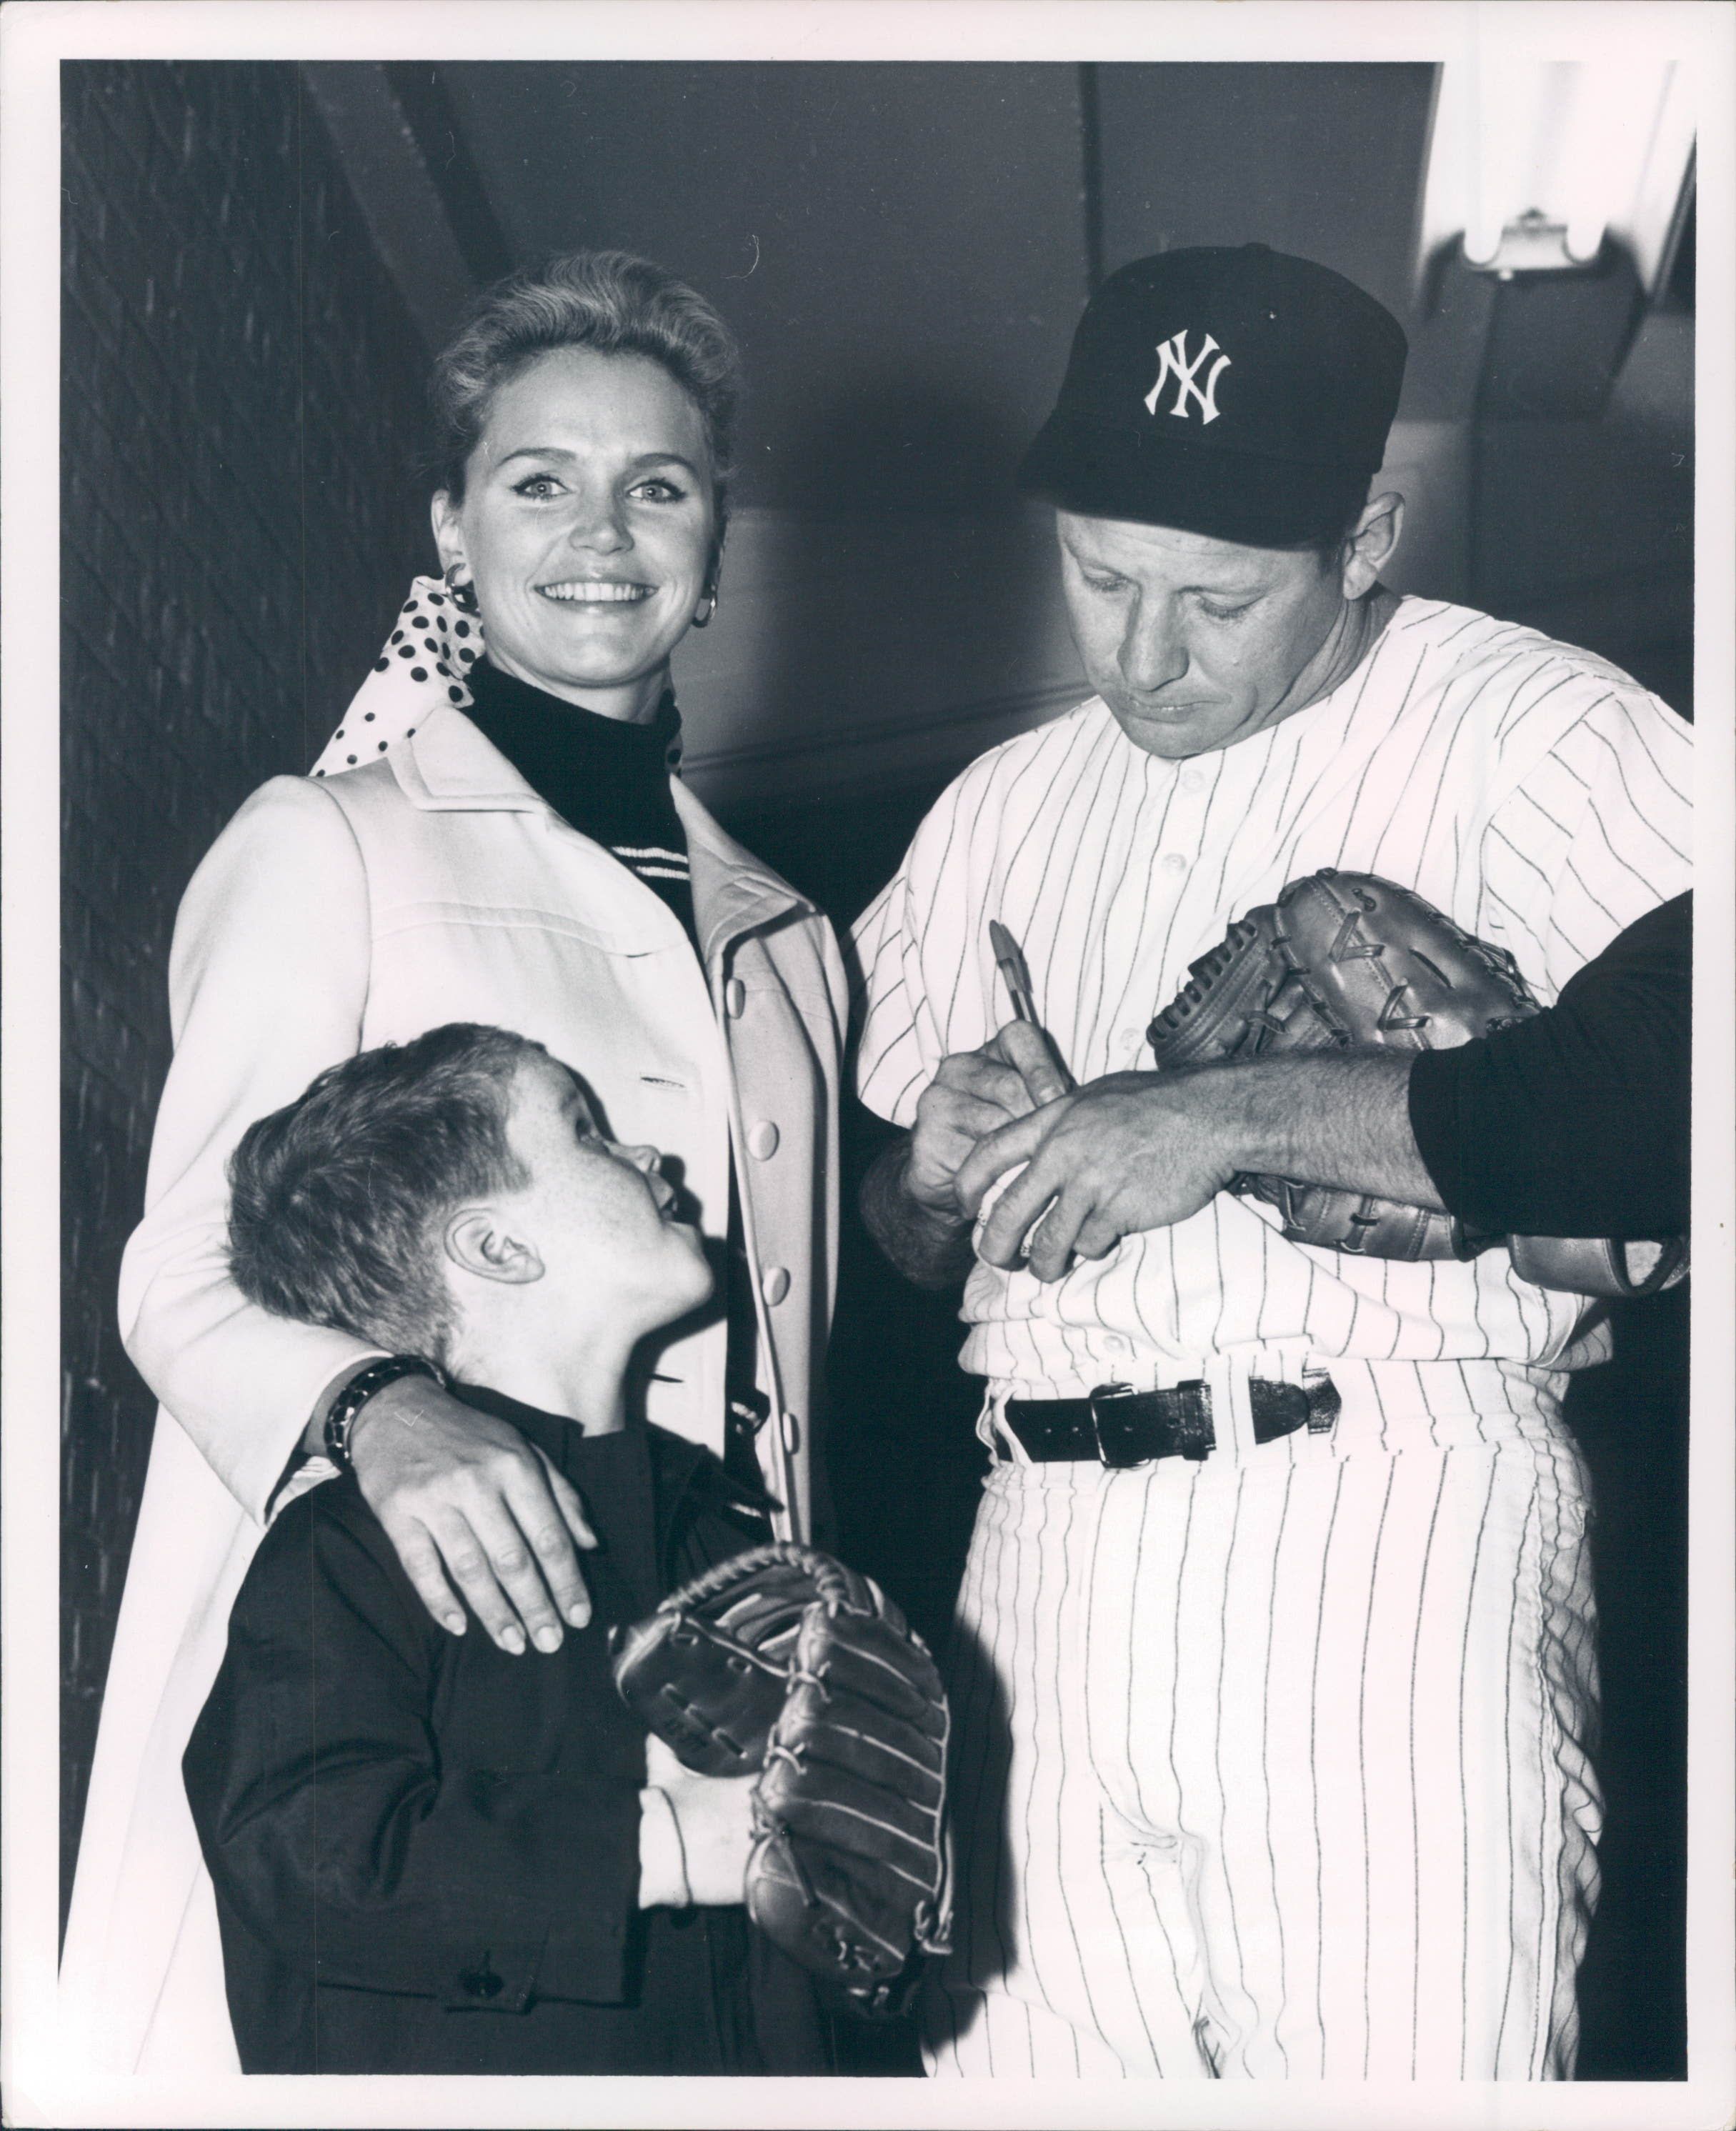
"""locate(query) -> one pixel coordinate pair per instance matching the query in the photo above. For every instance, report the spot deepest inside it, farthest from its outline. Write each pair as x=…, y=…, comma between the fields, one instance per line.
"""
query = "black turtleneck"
x=606, y=778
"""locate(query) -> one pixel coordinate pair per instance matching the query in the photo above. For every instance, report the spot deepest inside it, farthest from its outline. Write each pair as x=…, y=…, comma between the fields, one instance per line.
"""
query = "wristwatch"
x=346, y=1408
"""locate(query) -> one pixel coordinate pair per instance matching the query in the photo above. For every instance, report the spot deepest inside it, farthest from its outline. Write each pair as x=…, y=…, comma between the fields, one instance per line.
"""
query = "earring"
x=463, y=595
x=708, y=602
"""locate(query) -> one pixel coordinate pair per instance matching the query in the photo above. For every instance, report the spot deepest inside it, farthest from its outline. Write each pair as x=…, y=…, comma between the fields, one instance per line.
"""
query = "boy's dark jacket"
x=457, y=1889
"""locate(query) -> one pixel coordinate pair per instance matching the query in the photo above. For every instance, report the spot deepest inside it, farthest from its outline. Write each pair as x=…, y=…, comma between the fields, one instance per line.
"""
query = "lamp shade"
x=1533, y=162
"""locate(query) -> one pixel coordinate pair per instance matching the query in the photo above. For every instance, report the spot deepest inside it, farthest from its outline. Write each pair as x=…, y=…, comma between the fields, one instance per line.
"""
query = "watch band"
x=346, y=1408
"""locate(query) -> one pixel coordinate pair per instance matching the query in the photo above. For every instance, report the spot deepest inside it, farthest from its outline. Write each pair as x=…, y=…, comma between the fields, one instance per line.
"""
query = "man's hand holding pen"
x=972, y=1096
x=1131, y=1152
x=976, y=1093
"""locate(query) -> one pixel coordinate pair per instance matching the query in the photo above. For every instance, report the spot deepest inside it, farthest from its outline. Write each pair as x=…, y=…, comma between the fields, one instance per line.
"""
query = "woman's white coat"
x=431, y=885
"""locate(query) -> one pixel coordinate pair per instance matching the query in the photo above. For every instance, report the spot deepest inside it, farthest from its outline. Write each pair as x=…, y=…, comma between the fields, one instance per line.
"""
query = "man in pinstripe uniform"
x=1275, y=1683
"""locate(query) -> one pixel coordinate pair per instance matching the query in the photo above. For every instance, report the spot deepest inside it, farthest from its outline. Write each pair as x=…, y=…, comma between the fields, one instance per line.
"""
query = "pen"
x=1016, y=976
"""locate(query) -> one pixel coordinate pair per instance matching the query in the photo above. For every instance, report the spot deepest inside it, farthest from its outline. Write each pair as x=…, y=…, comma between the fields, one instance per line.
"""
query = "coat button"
x=792, y=1434
x=762, y=1140
x=775, y=1286
x=735, y=998
x=481, y=1982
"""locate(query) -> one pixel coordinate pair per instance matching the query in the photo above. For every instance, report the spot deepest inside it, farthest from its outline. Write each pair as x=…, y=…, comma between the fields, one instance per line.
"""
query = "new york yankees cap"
x=1231, y=391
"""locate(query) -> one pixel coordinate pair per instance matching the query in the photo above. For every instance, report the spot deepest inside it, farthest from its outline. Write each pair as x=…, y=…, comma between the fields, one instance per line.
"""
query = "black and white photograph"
x=851, y=1239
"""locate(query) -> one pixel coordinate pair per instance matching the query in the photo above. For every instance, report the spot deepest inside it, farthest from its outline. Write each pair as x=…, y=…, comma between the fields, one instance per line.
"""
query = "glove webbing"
x=832, y=1585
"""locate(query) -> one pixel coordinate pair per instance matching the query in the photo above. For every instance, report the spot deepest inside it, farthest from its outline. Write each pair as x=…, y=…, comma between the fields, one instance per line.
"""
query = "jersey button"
x=1173, y=862
x=792, y=1429
x=1192, y=779
x=775, y=1286
x=735, y=998
x=762, y=1140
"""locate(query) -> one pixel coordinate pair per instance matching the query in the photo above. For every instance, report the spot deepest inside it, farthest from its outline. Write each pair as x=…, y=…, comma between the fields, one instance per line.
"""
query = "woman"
x=529, y=864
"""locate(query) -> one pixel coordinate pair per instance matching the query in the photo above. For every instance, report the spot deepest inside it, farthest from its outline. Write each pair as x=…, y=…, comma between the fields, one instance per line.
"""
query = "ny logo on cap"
x=1172, y=354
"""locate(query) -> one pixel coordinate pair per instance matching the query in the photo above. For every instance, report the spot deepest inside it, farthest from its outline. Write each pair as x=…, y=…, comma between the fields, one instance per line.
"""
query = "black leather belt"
x=1120, y=1427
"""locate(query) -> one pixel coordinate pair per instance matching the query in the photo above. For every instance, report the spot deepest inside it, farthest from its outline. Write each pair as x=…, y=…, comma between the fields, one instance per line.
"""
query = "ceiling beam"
x=426, y=109
x=415, y=185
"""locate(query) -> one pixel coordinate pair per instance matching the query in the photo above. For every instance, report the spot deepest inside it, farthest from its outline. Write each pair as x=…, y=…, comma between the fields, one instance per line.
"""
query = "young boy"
x=429, y=1855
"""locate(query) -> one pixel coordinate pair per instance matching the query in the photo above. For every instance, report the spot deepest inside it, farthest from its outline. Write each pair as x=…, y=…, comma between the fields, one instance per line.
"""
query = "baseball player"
x=1273, y=1670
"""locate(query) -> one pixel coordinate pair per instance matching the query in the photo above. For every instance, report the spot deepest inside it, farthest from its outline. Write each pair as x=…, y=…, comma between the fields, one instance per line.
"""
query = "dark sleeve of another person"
x=339, y=1832
x=1575, y=1122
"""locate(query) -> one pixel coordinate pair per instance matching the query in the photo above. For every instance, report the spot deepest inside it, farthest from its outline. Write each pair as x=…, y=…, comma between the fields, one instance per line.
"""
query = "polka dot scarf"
x=422, y=664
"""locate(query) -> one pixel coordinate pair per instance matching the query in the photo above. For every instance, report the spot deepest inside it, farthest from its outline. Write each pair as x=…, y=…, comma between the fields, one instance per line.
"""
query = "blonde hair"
x=611, y=301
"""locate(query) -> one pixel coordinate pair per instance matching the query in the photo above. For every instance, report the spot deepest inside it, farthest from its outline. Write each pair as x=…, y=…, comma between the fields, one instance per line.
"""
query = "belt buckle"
x=1112, y=1452
x=1191, y=1434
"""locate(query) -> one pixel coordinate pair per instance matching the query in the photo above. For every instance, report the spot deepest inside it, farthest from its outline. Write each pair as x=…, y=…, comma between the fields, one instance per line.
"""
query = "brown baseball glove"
x=1345, y=960
x=783, y=1661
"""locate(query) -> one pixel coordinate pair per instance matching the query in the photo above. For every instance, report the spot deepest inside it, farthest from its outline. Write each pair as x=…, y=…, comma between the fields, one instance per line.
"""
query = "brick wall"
x=241, y=406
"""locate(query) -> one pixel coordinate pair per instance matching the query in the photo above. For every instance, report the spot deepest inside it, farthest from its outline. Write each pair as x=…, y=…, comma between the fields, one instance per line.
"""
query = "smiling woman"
x=493, y=836
x=588, y=527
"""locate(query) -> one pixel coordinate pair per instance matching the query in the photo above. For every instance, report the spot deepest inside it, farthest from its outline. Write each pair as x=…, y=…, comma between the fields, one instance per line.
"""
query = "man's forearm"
x=1331, y=1118
x=927, y=1247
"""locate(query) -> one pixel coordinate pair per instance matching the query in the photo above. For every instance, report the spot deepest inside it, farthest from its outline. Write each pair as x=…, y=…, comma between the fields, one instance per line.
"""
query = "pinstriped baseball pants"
x=1270, y=1770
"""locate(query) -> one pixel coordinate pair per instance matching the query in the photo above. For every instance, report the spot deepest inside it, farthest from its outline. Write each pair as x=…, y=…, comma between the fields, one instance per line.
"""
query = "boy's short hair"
x=337, y=1199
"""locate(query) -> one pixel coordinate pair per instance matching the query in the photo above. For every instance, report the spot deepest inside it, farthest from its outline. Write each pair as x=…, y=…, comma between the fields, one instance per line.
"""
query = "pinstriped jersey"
x=1535, y=793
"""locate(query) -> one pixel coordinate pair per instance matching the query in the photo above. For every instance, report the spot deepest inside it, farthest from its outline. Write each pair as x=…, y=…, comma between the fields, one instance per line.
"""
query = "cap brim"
x=1102, y=472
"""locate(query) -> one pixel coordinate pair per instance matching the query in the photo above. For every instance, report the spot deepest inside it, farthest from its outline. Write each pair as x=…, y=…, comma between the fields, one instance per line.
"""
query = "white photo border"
x=41, y=2087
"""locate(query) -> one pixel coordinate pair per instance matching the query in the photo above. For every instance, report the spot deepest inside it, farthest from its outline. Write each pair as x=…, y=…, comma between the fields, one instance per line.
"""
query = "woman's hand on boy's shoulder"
x=466, y=1499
